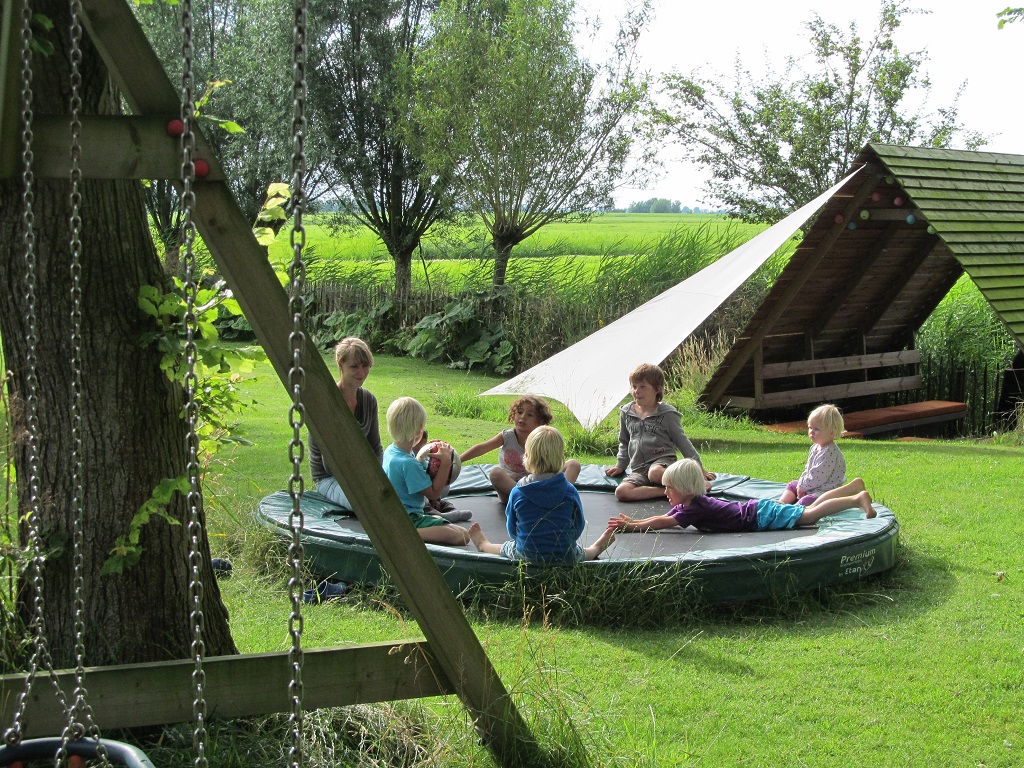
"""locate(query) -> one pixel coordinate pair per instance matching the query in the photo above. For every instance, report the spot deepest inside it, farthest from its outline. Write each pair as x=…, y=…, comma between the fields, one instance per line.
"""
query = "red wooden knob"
x=175, y=127
x=76, y=761
x=202, y=168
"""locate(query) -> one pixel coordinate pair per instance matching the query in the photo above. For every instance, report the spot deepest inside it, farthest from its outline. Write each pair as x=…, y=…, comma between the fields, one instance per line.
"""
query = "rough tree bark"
x=132, y=431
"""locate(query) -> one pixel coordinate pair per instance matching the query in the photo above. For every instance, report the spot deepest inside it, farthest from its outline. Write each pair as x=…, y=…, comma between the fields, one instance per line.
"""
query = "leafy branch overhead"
x=774, y=141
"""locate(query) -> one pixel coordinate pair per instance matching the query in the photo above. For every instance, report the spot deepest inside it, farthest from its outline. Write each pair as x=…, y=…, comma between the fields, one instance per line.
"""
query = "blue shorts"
x=509, y=550
x=773, y=516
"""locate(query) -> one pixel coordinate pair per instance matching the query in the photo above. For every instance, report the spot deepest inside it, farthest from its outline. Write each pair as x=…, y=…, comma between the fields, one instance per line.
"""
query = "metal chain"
x=40, y=654
x=296, y=374
x=80, y=718
x=194, y=498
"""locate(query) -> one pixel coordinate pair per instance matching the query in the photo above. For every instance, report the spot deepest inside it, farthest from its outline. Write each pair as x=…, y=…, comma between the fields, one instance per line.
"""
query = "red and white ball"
x=428, y=456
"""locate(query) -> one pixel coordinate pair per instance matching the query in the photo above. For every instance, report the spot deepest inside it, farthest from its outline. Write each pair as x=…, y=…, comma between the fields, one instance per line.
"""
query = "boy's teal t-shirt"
x=408, y=477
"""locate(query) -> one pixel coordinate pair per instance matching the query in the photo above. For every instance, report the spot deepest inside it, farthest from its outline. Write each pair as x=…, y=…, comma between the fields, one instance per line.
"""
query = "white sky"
x=961, y=38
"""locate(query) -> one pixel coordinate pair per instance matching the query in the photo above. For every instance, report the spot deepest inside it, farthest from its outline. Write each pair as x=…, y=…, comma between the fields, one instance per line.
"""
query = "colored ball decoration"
x=897, y=201
x=175, y=127
x=865, y=215
x=838, y=218
x=852, y=225
x=931, y=230
x=876, y=196
x=202, y=168
x=889, y=180
x=911, y=219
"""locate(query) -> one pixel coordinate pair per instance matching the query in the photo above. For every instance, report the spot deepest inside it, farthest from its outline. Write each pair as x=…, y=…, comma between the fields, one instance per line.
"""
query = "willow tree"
x=132, y=435
x=536, y=133
x=774, y=141
x=364, y=108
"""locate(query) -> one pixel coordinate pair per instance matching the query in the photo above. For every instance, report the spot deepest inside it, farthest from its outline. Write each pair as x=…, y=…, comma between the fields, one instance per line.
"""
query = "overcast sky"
x=961, y=38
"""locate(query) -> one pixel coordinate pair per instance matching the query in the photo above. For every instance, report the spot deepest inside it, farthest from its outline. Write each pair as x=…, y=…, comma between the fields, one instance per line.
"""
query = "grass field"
x=602, y=234
x=922, y=666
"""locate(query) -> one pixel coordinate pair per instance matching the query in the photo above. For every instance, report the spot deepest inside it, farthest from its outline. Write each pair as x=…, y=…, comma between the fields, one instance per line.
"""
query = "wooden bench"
x=875, y=420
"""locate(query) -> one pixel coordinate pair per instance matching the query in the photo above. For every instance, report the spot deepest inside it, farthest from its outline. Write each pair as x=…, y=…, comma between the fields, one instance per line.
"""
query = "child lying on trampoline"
x=684, y=487
x=544, y=514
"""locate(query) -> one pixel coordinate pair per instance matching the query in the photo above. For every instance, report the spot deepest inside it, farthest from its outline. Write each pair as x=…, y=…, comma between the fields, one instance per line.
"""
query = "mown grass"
x=921, y=666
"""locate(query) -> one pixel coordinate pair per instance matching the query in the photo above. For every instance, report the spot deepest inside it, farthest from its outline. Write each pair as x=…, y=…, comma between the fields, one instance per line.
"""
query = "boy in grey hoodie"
x=649, y=434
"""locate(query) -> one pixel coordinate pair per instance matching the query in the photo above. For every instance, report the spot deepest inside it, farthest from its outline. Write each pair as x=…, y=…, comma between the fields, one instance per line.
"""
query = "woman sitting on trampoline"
x=685, y=489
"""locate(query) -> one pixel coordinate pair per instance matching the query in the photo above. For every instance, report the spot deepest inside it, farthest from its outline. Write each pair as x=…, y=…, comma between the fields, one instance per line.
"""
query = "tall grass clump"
x=965, y=330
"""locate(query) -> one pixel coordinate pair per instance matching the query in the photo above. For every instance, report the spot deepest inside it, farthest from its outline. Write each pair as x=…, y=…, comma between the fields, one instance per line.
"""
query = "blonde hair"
x=650, y=374
x=545, y=451
x=686, y=476
x=831, y=419
x=542, y=409
x=406, y=420
x=350, y=347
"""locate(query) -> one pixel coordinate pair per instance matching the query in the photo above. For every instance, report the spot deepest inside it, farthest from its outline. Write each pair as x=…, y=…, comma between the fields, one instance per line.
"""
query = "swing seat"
x=35, y=750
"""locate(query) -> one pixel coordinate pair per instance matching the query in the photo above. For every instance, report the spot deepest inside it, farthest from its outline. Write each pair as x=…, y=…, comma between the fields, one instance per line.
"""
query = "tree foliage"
x=363, y=104
x=1009, y=15
x=532, y=131
x=773, y=142
x=242, y=69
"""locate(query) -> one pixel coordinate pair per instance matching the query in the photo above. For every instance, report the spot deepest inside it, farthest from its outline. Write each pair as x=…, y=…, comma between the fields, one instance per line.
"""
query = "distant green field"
x=603, y=234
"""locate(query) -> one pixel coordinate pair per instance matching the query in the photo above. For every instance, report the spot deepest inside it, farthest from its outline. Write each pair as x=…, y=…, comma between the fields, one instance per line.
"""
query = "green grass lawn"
x=605, y=233
x=922, y=666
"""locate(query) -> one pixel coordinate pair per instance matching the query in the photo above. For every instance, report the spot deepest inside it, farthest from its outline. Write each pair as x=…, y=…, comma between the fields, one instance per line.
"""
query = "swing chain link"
x=80, y=718
x=194, y=497
x=296, y=375
x=40, y=653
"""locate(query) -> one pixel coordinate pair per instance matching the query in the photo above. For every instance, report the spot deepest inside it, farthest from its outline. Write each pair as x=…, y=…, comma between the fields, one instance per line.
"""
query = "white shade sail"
x=592, y=376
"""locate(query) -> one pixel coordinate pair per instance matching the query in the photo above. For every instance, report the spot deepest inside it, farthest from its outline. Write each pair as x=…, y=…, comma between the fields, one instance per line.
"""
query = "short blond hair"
x=406, y=420
x=352, y=348
x=651, y=374
x=545, y=451
x=831, y=419
x=685, y=476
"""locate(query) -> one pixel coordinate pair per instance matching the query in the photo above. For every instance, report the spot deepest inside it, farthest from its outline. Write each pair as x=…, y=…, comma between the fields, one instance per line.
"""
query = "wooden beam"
x=839, y=391
x=795, y=287
x=834, y=302
x=10, y=89
x=245, y=267
x=138, y=695
x=834, y=364
x=908, y=271
x=144, y=150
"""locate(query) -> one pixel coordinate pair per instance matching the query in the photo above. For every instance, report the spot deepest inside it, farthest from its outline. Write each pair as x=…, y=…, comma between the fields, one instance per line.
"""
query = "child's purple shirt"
x=714, y=515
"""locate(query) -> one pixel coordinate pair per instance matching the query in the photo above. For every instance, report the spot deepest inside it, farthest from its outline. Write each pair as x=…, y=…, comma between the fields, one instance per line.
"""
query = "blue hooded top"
x=545, y=518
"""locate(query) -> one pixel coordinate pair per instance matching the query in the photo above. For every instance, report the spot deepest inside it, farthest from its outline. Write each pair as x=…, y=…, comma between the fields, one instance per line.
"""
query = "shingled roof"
x=840, y=320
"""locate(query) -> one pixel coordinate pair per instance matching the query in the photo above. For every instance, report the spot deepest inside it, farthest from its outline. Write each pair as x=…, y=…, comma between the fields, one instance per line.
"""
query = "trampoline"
x=723, y=567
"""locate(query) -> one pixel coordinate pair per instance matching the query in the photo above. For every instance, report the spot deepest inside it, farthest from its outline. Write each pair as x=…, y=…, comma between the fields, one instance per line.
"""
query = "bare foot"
x=477, y=536
x=865, y=504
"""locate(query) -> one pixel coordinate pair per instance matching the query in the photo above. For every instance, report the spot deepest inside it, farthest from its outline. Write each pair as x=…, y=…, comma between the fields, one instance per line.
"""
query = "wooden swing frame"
x=450, y=659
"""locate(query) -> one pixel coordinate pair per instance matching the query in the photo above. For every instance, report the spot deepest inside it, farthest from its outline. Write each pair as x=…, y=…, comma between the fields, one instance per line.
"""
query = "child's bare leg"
x=787, y=497
x=571, y=469
x=629, y=492
x=600, y=545
x=820, y=509
x=480, y=541
x=502, y=482
x=852, y=488
x=448, y=535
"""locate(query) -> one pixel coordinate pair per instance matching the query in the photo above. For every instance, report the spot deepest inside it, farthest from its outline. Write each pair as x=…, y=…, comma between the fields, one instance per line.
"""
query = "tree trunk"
x=502, y=253
x=131, y=430
x=403, y=282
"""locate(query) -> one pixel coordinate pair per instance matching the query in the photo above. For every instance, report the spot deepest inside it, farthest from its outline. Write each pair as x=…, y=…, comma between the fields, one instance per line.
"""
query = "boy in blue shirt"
x=544, y=512
x=406, y=420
